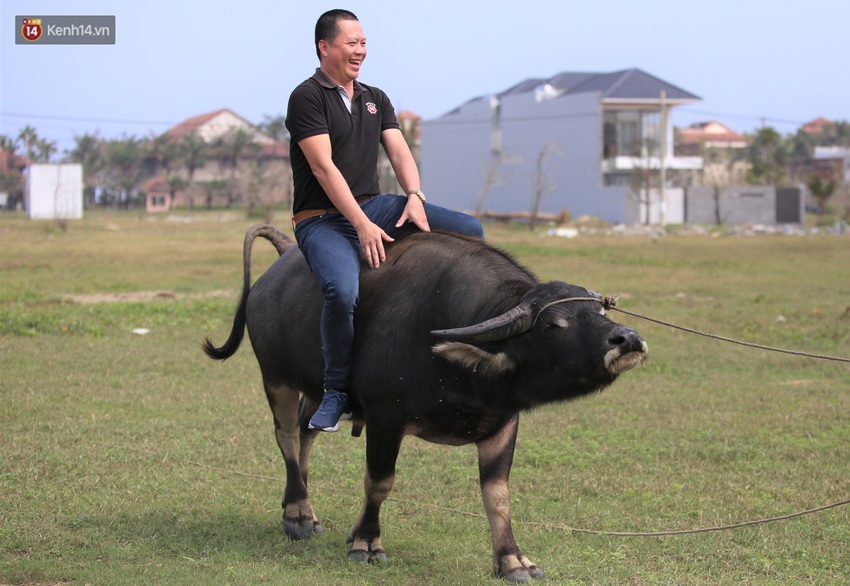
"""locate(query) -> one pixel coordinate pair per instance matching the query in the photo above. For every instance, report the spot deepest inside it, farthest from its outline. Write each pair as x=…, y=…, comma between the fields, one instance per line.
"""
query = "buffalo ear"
x=474, y=358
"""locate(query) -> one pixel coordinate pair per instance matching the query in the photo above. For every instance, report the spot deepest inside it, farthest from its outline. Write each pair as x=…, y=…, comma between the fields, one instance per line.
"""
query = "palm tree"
x=10, y=179
x=165, y=152
x=211, y=188
x=9, y=147
x=230, y=148
x=45, y=149
x=767, y=157
x=802, y=147
x=89, y=153
x=28, y=137
x=175, y=184
x=194, y=152
x=124, y=158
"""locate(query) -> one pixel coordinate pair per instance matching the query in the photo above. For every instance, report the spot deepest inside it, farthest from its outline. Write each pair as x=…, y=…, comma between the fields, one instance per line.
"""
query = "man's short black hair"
x=327, y=28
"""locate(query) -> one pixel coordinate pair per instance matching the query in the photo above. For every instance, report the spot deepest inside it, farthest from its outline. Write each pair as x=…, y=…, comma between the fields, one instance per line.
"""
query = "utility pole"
x=662, y=156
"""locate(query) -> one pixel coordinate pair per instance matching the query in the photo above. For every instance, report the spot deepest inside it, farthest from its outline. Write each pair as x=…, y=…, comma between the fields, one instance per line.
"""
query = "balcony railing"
x=614, y=164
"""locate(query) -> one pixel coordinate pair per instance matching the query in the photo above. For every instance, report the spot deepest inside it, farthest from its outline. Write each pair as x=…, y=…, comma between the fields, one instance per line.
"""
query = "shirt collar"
x=325, y=81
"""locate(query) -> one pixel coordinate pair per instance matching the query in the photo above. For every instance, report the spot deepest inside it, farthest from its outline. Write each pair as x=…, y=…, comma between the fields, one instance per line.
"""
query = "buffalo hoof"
x=297, y=530
x=519, y=570
x=361, y=556
x=299, y=522
x=367, y=552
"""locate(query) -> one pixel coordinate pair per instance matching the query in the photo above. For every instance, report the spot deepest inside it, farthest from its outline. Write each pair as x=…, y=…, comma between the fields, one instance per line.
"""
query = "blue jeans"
x=332, y=249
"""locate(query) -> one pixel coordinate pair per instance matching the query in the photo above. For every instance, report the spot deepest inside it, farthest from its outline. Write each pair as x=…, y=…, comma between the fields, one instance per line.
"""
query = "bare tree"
x=493, y=177
x=543, y=180
x=724, y=167
x=645, y=177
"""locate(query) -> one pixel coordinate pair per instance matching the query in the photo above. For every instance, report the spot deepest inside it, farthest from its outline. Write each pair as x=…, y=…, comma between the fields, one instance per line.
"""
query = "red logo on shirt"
x=371, y=108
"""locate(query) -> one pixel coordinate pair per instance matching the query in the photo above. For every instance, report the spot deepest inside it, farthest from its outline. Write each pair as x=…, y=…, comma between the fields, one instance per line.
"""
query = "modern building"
x=588, y=143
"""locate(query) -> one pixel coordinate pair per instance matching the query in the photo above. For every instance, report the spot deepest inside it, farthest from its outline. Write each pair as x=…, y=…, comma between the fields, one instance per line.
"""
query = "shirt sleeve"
x=305, y=114
x=388, y=117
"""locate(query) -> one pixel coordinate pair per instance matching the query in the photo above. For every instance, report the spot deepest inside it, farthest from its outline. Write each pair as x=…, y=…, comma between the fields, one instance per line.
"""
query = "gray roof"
x=628, y=84
x=524, y=86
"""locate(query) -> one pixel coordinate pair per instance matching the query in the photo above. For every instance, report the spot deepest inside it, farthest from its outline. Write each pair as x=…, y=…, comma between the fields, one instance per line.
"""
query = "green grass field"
x=134, y=459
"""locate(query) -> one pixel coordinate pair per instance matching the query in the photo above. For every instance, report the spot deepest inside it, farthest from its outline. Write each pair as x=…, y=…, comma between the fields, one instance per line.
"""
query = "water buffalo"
x=453, y=339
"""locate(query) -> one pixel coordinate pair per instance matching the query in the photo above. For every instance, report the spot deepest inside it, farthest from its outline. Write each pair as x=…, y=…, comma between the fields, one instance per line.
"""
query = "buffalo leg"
x=495, y=456
x=299, y=520
x=382, y=447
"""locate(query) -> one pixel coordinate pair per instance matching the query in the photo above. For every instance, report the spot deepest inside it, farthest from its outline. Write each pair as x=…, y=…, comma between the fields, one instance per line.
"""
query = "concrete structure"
x=579, y=141
x=54, y=192
x=754, y=204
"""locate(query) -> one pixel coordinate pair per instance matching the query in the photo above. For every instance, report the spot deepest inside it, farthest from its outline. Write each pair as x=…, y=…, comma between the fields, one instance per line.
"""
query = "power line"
x=83, y=119
x=751, y=118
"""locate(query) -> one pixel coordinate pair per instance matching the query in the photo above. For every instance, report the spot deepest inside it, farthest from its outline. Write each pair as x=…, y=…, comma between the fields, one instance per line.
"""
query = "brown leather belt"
x=304, y=214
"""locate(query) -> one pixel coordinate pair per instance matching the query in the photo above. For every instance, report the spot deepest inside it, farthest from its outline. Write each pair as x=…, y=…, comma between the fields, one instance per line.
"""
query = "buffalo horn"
x=513, y=322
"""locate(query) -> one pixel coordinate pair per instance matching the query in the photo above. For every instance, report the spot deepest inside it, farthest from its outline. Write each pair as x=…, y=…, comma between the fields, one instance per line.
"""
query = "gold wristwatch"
x=418, y=193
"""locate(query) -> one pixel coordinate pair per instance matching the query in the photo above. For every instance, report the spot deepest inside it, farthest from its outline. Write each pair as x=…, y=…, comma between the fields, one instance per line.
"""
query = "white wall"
x=456, y=151
x=54, y=192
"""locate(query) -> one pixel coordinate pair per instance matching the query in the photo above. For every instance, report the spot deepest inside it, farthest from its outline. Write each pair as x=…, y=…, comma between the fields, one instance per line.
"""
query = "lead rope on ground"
x=611, y=303
x=704, y=529
x=165, y=457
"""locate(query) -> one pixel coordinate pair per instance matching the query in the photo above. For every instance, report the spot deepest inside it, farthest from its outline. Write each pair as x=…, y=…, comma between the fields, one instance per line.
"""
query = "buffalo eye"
x=557, y=323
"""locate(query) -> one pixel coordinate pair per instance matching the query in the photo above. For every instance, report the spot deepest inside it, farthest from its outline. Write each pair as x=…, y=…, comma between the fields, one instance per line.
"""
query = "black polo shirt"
x=316, y=107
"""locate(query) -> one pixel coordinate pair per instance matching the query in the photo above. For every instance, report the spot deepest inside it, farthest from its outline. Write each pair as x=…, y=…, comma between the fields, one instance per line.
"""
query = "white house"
x=576, y=139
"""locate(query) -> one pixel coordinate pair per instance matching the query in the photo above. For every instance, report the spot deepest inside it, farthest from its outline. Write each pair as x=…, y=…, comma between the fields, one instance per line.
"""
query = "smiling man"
x=336, y=125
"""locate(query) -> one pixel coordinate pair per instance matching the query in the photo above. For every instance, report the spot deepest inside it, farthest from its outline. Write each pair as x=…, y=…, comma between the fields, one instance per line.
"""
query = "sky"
x=753, y=62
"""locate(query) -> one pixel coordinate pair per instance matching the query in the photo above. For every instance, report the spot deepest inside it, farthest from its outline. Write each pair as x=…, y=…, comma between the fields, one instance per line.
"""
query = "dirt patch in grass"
x=138, y=296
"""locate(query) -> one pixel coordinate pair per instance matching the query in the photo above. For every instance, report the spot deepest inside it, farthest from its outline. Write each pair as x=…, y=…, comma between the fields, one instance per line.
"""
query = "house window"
x=630, y=133
x=612, y=179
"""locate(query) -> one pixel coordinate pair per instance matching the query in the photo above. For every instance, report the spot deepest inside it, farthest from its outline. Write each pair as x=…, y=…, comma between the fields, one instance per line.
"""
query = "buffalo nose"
x=626, y=339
